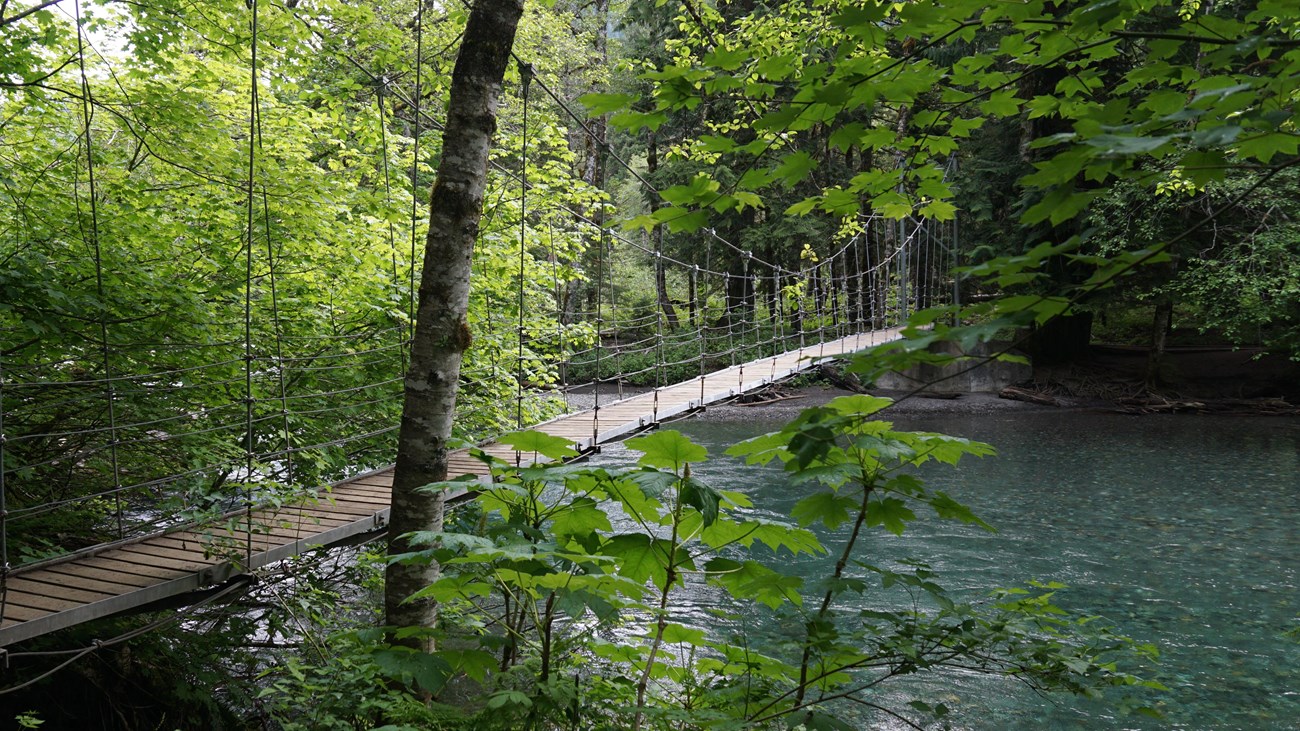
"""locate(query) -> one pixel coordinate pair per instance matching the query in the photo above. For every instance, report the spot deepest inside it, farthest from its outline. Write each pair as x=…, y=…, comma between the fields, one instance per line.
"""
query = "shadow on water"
x=1181, y=530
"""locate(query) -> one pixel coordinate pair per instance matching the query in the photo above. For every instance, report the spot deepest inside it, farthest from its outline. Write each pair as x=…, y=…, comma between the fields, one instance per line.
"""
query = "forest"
x=251, y=248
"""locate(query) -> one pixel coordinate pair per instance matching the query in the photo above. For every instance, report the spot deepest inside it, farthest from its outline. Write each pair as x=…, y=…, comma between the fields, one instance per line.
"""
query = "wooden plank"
x=36, y=601
x=19, y=614
x=333, y=508
x=286, y=535
x=383, y=479
x=54, y=588
x=351, y=497
x=217, y=550
x=352, y=488
x=315, y=520
x=97, y=579
x=112, y=561
x=148, y=556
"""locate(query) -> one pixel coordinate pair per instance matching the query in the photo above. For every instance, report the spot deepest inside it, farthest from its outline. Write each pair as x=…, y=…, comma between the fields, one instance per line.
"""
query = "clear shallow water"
x=1184, y=531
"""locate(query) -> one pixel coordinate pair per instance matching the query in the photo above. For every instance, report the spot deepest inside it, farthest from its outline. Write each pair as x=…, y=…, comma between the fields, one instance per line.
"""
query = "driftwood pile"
x=1156, y=404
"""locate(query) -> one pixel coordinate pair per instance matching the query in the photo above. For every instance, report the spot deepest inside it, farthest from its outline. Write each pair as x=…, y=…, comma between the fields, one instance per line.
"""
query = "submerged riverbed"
x=1181, y=530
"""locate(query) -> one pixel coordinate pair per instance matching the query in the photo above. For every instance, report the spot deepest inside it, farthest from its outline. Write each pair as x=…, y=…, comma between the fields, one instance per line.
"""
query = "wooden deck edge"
x=103, y=608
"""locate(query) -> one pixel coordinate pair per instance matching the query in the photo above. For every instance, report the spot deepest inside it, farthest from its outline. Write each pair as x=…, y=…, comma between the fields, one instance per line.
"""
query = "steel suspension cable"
x=4, y=502
x=744, y=313
x=87, y=115
x=388, y=198
x=600, y=273
x=525, y=76
x=560, y=311
x=279, y=342
x=659, y=335
x=248, y=292
x=697, y=321
x=282, y=382
x=956, y=274
x=415, y=165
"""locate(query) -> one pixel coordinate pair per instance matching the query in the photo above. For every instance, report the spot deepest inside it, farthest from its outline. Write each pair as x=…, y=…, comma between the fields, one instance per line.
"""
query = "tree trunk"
x=661, y=280
x=1161, y=323
x=442, y=330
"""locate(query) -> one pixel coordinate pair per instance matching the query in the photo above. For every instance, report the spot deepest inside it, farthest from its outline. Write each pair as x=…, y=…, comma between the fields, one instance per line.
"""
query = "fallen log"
x=841, y=379
x=1019, y=394
x=768, y=401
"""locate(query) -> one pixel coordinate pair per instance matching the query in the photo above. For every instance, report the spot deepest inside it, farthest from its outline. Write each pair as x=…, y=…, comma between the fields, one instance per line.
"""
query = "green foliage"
x=1236, y=280
x=550, y=562
x=136, y=325
x=352, y=690
x=1062, y=113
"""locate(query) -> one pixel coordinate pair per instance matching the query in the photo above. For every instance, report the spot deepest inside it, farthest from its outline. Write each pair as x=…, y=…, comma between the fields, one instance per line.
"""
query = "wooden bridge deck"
x=128, y=575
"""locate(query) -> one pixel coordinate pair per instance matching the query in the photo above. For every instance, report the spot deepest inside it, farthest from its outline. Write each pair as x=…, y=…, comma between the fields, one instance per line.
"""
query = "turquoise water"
x=1182, y=530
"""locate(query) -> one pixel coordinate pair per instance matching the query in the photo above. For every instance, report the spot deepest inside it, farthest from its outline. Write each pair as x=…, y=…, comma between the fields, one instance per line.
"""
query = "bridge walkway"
x=142, y=571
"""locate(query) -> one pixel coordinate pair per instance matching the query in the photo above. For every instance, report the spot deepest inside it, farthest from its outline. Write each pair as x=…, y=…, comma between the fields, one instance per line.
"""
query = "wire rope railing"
x=138, y=437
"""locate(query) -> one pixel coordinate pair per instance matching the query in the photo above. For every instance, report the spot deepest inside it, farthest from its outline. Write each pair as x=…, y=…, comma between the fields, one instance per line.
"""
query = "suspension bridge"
x=144, y=459
x=172, y=533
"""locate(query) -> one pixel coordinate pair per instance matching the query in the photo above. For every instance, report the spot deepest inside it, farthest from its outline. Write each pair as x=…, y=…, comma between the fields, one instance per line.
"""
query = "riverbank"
x=1230, y=382
x=793, y=400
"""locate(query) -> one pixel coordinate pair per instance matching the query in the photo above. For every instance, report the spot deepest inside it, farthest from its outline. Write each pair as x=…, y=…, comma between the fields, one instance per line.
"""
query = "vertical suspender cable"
x=4, y=504
x=797, y=308
x=562, y=355
x=780, y=310
x=858, y=324
x=836, y=283
x=954, y=242
x=415, y=165
x=923, y=294
x=727, y=312
x=770, y=304
x=248, y=299
x=388, y=201
x=706, y=328
x=744, y=306
x=600, y=274
x=659, y=340
x=752, y=283
x=525, y=77
x=280, y=366
x=819, y=297
x=700, y=323
x=617, y=355
x=918, y=264
x=87, y=115
x=904, y=267
x=932, y=257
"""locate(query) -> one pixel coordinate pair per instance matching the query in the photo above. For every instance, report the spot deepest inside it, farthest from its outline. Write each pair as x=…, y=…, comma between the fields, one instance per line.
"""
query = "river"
x=1181, y=530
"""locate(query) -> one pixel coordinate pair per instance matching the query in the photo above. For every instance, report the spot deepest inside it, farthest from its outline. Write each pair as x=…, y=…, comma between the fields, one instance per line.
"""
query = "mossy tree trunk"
x=442, y=331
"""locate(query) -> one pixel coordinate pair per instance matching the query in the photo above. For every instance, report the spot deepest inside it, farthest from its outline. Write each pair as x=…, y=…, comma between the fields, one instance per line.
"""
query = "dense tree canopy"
x=212, y=233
